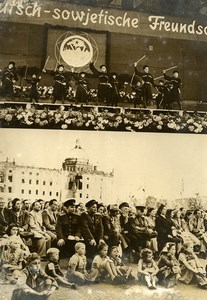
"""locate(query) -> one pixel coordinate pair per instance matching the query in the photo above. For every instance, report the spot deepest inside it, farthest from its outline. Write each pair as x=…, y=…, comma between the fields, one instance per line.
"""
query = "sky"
x=160, y=165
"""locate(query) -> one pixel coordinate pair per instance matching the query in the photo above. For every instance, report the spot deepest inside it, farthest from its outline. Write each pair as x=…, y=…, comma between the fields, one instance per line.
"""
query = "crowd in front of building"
x=99, y=242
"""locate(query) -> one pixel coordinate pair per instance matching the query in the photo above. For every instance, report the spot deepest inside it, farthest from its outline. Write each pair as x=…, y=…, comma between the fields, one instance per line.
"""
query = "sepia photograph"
x=115, y=65
x=103, y=116
x=92, y=215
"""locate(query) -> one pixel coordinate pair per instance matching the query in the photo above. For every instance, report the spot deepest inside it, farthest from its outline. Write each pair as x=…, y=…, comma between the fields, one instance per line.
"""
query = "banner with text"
x=96, y=18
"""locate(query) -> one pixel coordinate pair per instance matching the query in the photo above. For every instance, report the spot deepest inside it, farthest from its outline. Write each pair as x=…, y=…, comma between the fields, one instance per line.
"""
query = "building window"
x=43, y=193
x=22, y=191
x=80, y=195
x=30, y=181
x=37, y=181
x=23, y=181
x=10, y=178
x=50, y=193
x=87, y=178
x=50, y=183
x=57, y=194
x=36, y=192
x=9, y=189
x=23, y=172
x=87, y=186
x=87, y=196
x=1, y=189
x=10, y=171
x=30, y=192
x=30, y=173
x=38, y=174
x=43, y=182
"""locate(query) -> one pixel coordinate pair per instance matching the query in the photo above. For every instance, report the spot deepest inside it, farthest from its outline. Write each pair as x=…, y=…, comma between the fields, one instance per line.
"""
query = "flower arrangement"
x=84, y=118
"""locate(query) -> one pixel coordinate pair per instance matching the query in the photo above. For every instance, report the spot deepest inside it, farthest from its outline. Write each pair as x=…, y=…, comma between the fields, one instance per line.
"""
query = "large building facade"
x=77, y=178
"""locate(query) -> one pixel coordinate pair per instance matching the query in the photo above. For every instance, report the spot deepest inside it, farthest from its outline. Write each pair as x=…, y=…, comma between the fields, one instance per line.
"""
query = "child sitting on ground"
x=77, y=272
x=147, y=268
x=121, y=269
x=169, y=267
x=52, y=268
x=12, y=261
x=104, y=265
x=34, y=282
x=191, y=266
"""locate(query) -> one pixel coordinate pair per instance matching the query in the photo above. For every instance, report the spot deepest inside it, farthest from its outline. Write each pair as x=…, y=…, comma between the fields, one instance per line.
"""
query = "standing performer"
x=115, y=96
x=104, y=87
x=148, y=83
x=83, y=90
x=160, y=88
x=60, y=86
x=34, y=94
x=9, y=77
x=176, y=82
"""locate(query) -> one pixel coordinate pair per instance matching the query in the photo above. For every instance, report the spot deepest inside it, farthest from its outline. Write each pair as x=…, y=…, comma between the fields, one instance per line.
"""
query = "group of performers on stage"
x=109, y=87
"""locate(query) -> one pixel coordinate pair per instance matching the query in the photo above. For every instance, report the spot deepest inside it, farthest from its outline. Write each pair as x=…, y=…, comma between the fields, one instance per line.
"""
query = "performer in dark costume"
x=138, y=97
x=167, y=95
x=176, y=82
x=104, y=87
x=60, y=86
x=160, y=88
x=115, y=96
x=148, y=83
x=33, y=95
x=83, y=90
x=9, y=77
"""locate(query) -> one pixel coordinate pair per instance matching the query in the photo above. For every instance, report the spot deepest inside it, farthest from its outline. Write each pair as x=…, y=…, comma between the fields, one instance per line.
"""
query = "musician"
x=160, y=88
x=115, y=96
x=148, y=83
x=9, y=77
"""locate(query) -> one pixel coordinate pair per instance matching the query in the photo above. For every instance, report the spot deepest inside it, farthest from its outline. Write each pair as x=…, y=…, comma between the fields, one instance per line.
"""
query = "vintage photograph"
x=93, y=215
x=115, y=65
x=105, y=202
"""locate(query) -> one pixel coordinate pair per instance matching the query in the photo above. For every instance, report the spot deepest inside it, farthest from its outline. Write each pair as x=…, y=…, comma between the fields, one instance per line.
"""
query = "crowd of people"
x=111, y=90
x=100, y=241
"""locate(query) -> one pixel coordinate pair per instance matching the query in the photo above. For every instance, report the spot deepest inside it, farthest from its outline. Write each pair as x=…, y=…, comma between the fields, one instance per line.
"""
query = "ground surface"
x=106, y=291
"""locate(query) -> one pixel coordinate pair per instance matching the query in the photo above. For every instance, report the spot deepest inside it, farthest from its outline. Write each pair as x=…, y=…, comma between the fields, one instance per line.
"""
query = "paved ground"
x=107, y=291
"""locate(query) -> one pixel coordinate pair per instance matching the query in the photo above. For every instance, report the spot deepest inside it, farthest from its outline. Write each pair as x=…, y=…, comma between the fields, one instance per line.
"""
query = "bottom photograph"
x=93, y=215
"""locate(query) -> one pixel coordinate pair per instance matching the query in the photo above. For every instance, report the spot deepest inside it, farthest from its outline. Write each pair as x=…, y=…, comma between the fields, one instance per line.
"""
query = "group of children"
x=18, y=267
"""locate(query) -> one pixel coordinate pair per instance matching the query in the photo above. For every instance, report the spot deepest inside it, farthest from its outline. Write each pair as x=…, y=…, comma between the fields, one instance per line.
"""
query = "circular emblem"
x=76, y=50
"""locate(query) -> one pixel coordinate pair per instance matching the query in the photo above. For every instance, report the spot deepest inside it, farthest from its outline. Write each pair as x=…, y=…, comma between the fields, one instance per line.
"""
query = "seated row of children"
x=25, y=270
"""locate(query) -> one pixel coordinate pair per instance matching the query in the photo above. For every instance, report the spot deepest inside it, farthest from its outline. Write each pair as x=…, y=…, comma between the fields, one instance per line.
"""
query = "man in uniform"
x=104, y=87
x=9, y=76
x=92, y=228
x=68, y=228
x=176, y=86
x=148, y=83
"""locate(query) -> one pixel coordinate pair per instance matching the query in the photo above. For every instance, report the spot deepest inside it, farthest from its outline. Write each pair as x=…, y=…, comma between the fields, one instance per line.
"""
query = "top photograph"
x=104, y=65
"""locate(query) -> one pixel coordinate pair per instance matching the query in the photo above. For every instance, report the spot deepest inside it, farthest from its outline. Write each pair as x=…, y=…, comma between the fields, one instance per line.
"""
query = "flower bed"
x=92, y=118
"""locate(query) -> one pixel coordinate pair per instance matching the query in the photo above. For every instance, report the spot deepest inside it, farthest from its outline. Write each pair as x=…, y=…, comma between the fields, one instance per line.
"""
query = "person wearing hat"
x=148, y=80
x=9, y=77
x=83, y=90
x=176, y=86
x=104, y=86
x=60, y=86
x=92, y=227
x=115, y=84
x=68, y=228
x=112, y=228
x=33, y=81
